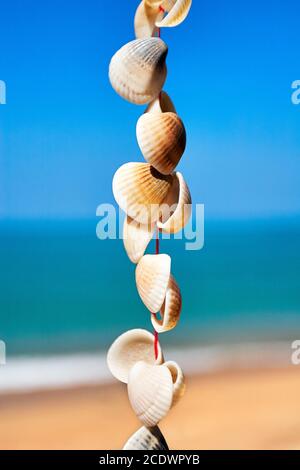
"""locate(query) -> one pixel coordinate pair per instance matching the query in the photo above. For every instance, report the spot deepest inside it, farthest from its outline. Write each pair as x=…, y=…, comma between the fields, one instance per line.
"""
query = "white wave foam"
x=27, y=374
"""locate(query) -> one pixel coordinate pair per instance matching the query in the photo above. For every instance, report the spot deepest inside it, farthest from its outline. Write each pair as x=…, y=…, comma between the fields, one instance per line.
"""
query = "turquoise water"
x=64, y=290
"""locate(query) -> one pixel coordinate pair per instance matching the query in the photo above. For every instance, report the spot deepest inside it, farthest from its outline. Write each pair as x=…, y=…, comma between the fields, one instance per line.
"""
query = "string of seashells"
x=154, y=198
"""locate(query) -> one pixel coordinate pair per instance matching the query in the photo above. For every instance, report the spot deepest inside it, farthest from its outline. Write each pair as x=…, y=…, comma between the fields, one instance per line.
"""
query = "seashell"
x=139, y=189
x=161, y=104
x=144, y=20
x=150, y=392
x=177, y=207
x=170, y=310
x=130, y=348
x=152, y=278
x=136, y=238
x=162, y=140
x=176, y=14
x=138, y=70
x=154, y=3
x=178, y=381
x=146, y=439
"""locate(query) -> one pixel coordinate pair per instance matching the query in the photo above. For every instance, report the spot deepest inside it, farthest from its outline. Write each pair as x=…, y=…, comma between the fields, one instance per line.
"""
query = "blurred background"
x=66, y=295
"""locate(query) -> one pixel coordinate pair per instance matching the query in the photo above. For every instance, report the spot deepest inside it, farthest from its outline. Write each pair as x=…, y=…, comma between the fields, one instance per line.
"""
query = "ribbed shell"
x=176, y=15
x=180, y=201
x=162, y=140
x=136, y=238
x=152, y=278
x=170, y=310
x=129, y=348
x=139, y=189
x=178, y=381
x=146, y=439
x=150, y=391
x=144, y=20
x=138, y=71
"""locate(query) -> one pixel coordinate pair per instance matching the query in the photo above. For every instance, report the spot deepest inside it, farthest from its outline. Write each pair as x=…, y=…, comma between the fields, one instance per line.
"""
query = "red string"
x=161, y=9
x=156, y=340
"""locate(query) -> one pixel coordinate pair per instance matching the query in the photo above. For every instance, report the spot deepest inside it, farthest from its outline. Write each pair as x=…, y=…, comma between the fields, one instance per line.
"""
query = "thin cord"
x=161, y=9
x=156, y=340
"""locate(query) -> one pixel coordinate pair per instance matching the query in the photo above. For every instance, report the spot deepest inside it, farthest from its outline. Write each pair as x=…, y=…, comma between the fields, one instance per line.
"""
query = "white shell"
x=146, y=439
x=162, y=140
x=129, y=348
x=177, y=207
x=150, y=392
x=136, y=238
x=176, y=15
x=139, y=190
x=144, y=20
x=161, y=104
x=178, y=380
x=138, y=70
x=152, y=278
x=170, y=310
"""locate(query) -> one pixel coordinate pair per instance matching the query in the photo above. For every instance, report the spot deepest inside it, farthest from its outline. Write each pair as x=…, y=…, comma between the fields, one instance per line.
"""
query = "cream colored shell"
x=176, y=15
x=144, y=20
x=170, y=310
x=162, y=140
x=177, y=207
x=138, y=70
x=178, y=379
x=150, y=392
x=136, y=238
x=129, y=348
x=161, y=104
x=152, y=278
x=146, y=439
x=139, y=190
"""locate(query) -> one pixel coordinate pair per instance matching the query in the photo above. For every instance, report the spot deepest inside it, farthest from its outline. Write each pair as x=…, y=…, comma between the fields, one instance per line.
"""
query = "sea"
x=66, y=295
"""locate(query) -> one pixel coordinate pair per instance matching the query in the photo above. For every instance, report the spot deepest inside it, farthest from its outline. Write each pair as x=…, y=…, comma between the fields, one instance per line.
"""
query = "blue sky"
x=64, y=131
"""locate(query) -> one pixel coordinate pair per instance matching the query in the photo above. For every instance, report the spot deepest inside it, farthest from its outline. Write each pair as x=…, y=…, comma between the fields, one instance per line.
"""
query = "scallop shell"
x=176, y=14
x=162, y=140
x=139, y=190
x=136, y=238
x=150, y=391
x=178, y=381
x=130, y=348
x=144, y=20
x=152, y=278
x=177, y=207
x=138, y=70
x=161, y=104
x=146, y=439
x=170, y=310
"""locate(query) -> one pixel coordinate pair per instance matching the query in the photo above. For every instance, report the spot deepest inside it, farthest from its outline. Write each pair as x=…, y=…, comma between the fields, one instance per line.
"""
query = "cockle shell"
x=130, y=348
x=152, y=278
x=144, y=20
x=146, y=439
x=177, y=207
x=150, y=392
x=161, y=104
x=136, y=238
x=138, y=70
x=178, y=380
x=139, y=189
x=176, y=14
x=162, y=140
x=170, y=310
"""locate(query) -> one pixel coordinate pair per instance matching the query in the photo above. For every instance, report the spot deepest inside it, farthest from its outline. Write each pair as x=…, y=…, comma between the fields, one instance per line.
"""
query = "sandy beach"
x=254, y=409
